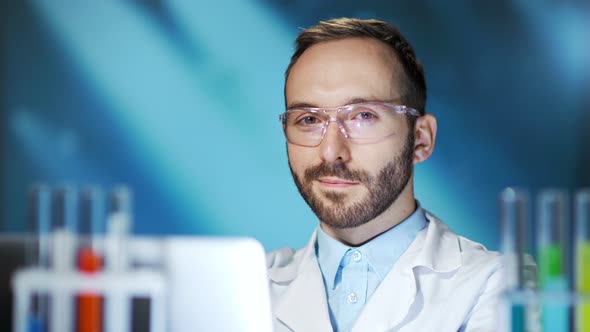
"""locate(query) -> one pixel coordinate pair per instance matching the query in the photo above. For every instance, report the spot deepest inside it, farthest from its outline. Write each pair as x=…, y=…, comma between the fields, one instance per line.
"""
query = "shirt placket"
x=353, y=287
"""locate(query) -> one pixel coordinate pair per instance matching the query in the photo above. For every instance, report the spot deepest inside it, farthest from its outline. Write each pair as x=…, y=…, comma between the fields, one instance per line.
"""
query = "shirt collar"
x=329, y=252
x=381, y=252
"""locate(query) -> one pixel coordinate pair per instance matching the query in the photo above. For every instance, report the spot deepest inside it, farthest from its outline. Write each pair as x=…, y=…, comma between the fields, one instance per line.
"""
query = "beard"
x=383, y=189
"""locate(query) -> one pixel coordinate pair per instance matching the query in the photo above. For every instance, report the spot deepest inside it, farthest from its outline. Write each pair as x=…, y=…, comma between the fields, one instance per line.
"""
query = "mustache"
x=339, y=170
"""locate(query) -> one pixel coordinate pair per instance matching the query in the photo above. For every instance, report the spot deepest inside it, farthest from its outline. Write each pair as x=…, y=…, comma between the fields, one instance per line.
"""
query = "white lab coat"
x=442, y=282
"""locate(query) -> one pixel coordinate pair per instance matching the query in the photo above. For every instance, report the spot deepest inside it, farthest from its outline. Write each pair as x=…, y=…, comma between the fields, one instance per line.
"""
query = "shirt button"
x=352, y=298
x=357, y=256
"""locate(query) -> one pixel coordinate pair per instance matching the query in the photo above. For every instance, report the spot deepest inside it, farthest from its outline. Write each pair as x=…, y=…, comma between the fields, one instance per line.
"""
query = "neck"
x=397, y=212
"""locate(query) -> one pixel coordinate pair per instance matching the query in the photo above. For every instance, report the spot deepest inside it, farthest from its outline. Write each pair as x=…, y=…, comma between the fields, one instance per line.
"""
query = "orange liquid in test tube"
x=89, y=304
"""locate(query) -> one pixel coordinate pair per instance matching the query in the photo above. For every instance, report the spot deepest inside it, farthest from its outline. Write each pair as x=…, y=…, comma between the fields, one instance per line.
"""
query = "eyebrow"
x=352, y=100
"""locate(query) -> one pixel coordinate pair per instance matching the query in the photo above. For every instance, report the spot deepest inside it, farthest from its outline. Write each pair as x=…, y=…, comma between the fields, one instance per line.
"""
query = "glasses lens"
x=304, y=127
x=366, y=122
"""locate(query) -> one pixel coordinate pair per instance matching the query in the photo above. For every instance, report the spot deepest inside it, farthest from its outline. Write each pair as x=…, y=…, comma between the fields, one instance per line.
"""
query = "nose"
x=334, y=147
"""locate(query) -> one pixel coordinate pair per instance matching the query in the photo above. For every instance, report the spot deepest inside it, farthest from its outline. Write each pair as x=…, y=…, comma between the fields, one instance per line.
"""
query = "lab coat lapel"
x=440, y=251
x=435, y=248
x=390, y=303
x=304, y=306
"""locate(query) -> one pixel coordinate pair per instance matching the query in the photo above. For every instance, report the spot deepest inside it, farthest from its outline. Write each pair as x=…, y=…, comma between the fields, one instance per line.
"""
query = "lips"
x=336, y=182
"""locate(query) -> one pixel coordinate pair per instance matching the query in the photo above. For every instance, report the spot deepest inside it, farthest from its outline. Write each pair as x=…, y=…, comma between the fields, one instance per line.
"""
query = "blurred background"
x=180, y=100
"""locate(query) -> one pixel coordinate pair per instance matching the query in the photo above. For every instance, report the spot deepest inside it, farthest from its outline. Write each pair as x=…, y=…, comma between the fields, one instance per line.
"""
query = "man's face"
x=347, y=184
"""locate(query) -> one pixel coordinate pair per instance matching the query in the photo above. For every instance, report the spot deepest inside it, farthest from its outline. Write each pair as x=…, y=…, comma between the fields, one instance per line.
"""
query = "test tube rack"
x=546, y=295
x=117, y=284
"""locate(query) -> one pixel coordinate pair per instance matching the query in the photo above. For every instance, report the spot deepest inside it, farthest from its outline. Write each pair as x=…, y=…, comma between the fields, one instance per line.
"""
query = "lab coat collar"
x=441, y=251
x=435, y=248
x=290, y=271
x=303, y=306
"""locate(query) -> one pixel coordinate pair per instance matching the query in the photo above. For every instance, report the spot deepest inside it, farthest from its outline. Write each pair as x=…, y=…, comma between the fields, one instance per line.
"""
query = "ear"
x=424, y=137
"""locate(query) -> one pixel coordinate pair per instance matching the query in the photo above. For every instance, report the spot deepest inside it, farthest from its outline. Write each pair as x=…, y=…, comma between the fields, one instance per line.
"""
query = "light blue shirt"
x=352, y=274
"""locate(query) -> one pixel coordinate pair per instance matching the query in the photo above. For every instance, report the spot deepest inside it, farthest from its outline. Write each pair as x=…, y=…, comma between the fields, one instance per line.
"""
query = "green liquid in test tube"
x=552, y=255
x=550, y=264
x=582, y=206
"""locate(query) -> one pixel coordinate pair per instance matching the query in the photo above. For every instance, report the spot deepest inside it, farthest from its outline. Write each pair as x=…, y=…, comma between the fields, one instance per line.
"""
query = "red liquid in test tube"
x=89, y=310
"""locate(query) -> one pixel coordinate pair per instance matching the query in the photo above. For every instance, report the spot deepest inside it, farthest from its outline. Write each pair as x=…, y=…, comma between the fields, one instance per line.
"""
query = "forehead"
x=330, y=73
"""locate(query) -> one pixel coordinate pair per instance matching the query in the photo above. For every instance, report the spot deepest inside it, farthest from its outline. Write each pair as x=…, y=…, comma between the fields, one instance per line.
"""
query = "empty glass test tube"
x=514, y=220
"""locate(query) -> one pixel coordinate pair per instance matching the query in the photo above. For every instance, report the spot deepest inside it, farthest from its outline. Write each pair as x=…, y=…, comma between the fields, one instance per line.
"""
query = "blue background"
x=180, y=100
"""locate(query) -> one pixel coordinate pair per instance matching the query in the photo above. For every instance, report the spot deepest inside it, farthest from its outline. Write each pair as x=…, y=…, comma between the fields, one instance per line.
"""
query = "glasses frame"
x=333, y=112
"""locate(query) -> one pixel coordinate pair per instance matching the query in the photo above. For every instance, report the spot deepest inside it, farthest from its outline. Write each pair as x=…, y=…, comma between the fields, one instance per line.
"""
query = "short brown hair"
x=413, y=79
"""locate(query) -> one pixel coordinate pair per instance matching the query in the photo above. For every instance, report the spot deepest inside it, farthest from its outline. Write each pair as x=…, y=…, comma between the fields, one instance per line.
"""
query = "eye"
x=364, y=116
x=308, y=120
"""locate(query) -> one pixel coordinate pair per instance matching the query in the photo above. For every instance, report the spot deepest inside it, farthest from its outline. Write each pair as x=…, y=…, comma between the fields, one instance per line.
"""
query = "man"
x=355, y=125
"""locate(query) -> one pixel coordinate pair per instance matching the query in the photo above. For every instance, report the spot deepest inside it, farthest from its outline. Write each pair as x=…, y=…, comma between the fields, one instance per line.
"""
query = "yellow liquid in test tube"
x=583, y=285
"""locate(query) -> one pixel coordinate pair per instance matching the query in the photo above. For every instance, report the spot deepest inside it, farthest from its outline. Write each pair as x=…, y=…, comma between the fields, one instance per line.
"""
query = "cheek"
x=301, y=158
x=373, y=157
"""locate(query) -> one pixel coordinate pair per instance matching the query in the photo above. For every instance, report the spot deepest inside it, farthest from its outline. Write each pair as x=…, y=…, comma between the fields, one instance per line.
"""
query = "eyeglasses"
x=360, y=123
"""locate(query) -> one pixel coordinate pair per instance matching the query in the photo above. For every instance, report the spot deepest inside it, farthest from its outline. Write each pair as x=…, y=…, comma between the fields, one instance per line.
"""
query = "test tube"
x=117, y=303
x=552, y=255
x=65, y=225
x=121, y=200
x=582, y=213
x=118, y=227
x=514, y=220
x=65, y=208
x=92, y=215
x=89, y=310
x=40, y=216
